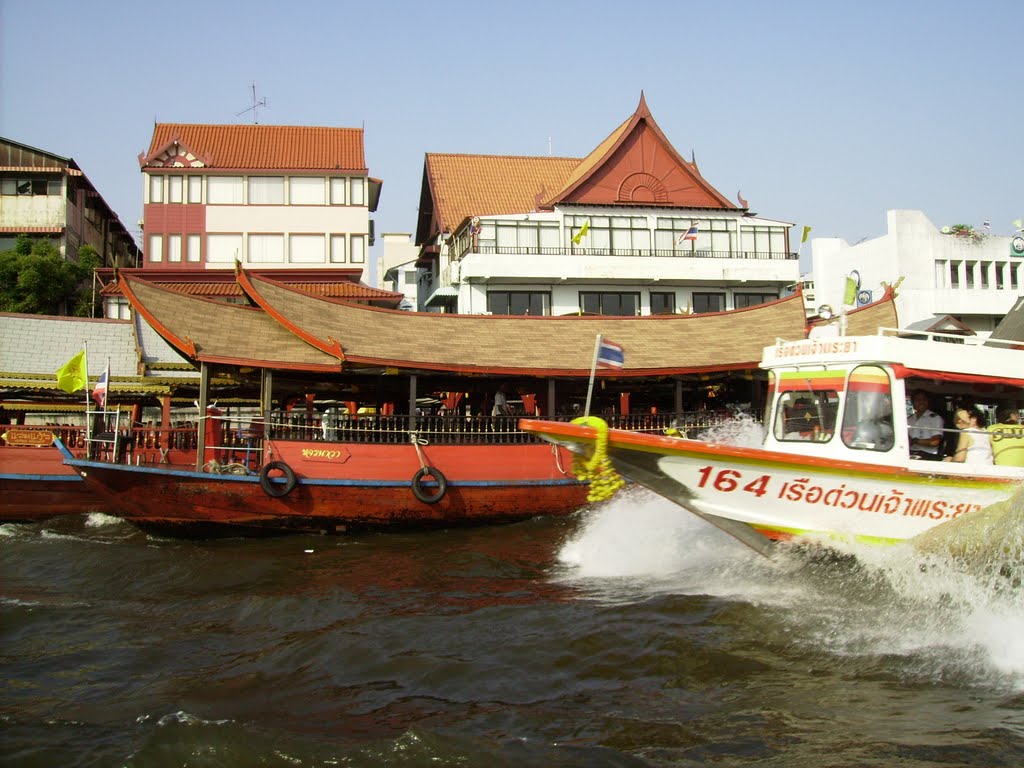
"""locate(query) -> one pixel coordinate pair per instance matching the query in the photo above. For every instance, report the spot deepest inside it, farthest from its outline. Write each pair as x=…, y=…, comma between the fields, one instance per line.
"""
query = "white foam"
x=942, y=616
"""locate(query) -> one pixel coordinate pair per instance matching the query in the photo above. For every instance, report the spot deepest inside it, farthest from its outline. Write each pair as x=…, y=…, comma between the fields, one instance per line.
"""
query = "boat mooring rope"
x=416, y=443
x=604, y=480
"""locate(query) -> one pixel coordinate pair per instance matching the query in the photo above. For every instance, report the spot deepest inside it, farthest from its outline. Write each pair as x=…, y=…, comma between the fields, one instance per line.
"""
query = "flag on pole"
x=99, y=393
x=610, y=355
x=690, y=234
x=807, y=231
x=850, y=293
x=72, y=376
x=1018, y=224
x=583, y=231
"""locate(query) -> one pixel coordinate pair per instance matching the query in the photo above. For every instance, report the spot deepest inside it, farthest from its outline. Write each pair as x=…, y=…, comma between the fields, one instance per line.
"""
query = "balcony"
x=502, y=250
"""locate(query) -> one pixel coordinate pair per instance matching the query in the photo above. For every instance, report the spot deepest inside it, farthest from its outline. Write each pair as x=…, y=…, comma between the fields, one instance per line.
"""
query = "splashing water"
x=743, y=430
x=928, y=612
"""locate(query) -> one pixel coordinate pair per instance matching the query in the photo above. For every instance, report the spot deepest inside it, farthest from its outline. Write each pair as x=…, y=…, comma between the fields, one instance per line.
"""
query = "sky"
x=821, y=114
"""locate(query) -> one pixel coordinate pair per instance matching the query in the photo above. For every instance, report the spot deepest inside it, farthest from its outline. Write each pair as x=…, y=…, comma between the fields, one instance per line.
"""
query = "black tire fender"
x=277, y=490
x=422, y=493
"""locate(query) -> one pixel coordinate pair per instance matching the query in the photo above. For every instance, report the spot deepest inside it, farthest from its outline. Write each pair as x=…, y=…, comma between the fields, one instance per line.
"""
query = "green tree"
x=36, y=280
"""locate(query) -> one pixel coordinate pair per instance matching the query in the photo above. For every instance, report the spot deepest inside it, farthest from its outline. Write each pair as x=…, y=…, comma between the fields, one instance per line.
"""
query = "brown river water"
x=630, y=634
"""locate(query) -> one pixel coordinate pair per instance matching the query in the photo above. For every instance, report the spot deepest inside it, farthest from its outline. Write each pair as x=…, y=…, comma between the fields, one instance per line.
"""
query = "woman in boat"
x=974, y=446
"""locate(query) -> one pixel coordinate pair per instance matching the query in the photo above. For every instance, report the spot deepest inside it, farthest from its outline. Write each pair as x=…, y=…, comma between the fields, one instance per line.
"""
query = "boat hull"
x=35, y=484
x=345, y=487
x=783, y=496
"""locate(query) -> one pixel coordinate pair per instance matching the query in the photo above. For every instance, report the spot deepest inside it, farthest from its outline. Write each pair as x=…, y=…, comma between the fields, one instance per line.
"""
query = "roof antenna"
x=255, y=106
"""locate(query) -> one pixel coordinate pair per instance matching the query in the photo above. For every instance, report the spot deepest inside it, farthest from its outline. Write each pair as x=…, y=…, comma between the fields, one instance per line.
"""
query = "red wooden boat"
x=336, y=487
x=35, y=484
x=345, y=440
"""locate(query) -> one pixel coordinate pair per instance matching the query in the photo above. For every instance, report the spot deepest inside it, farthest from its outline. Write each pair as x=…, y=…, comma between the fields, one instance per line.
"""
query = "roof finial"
x=642, y=109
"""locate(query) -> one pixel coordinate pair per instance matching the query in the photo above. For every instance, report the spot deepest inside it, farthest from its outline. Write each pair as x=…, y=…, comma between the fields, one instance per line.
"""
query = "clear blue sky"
x=823, y=114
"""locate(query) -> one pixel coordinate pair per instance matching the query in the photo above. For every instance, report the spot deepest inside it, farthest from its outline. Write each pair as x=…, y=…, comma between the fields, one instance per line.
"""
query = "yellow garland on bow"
x=604, y=480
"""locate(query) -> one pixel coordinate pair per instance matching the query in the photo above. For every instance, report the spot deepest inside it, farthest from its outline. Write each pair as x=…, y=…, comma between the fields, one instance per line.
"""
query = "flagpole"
x=593, y=370
x=88, y=417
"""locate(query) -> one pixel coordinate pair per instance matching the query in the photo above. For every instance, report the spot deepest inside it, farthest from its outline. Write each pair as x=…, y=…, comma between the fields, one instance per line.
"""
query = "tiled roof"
x=39, y=169
x=591, y=161
x=535, y=345
x=481, y=185
x=220, y=332
x=272, y=147
x=343, y=287
x=43, y=343
x=658, y=345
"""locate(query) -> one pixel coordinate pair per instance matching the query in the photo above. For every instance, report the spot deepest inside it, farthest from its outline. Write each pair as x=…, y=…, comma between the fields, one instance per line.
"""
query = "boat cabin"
x=849, y=397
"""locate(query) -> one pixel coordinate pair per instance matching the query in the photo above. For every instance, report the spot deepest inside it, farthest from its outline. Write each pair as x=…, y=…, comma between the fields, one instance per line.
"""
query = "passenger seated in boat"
x=925, y=428
x=974, y=446
x=1007, y=438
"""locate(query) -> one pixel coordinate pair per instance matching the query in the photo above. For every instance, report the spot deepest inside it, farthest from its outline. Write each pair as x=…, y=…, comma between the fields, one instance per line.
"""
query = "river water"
x=631, y=634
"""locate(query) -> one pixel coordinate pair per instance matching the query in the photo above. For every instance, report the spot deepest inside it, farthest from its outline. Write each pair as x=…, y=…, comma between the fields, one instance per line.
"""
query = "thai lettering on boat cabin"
x=801, y=490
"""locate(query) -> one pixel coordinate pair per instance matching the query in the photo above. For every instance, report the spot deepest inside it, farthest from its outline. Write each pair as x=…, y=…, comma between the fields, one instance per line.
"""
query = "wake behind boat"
x=836, y=457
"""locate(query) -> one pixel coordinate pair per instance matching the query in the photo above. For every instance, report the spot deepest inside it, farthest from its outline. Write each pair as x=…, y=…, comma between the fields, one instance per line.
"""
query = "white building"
x=396, y=267
x=971, y=276
x=268, y=196
x=631, y=229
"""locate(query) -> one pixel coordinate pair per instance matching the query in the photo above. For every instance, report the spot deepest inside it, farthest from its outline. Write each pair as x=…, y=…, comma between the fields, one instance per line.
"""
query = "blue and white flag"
x=610, y=355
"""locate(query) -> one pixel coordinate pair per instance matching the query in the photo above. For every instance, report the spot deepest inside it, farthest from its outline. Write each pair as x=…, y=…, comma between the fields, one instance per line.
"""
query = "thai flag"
x=610, y=355
x=690, y=234
x=99, y=393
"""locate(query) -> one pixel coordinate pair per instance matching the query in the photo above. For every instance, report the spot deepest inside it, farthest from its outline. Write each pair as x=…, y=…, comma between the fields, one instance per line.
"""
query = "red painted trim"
x=329, y=346
x=903, y=372
x=183, y=345
x=670, y=446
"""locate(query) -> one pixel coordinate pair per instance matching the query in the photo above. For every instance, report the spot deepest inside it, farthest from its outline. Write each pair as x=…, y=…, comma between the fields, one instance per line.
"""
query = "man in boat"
x=925, y=428
x=1007, y=437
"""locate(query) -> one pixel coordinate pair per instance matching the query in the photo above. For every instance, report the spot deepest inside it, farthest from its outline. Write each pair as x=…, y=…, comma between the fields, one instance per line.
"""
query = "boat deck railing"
x=452, y=429
x=240, y=441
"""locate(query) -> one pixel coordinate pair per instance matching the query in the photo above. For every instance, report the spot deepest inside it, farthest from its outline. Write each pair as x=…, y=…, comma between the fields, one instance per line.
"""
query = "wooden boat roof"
x=291, y=329
x=211, y=331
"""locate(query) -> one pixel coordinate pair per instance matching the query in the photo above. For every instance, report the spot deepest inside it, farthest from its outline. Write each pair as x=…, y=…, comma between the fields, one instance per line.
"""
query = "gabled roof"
x=215, y=332
x=256, y=147
x=334, y=283
x=457, y=187
x=637, y=165
x=293, y=330
x=1011, y=327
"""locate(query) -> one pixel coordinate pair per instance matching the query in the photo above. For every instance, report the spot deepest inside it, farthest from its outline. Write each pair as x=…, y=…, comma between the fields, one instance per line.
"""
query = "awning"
x=442, y=295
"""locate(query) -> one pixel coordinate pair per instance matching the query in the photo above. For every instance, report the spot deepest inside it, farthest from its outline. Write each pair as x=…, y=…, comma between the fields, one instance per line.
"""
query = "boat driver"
x=925, y=428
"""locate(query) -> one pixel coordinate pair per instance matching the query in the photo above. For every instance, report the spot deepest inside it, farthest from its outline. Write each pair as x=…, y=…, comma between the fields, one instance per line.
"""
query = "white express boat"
x=835, y=461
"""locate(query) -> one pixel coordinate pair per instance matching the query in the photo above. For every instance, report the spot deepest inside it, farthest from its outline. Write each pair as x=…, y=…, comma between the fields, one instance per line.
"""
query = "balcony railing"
x=513, y=250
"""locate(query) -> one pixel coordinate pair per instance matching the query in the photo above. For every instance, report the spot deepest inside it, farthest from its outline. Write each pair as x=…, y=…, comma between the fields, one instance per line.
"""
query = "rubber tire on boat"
x=277, y=490
x=420, y=493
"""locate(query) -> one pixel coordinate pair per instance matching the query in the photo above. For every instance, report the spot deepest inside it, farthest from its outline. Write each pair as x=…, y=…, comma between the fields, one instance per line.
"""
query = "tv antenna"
x=256, y=104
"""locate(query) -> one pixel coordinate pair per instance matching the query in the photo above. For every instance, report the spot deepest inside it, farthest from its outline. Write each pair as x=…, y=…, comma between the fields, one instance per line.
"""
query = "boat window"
x=806, y=415
x=867, y=416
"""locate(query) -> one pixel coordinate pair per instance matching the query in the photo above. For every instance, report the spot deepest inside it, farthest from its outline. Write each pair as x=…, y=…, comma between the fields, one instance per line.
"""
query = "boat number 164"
x=727, y=480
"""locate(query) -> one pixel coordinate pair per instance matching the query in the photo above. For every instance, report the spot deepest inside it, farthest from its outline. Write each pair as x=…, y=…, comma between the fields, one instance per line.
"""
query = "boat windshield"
x=867, y=416
x=802, y=415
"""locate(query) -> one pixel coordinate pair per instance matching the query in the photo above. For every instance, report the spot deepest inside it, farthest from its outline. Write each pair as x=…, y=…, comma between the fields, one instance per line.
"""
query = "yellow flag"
x=72, y=376
x=1017, y=223
x=583, y=230
x=850, y=294
x=807, y=231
